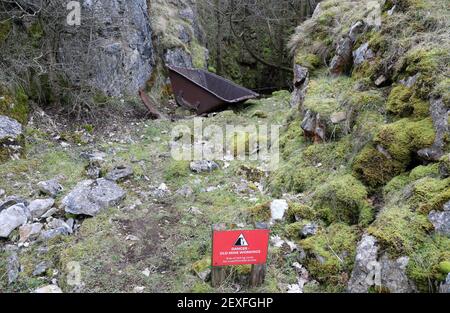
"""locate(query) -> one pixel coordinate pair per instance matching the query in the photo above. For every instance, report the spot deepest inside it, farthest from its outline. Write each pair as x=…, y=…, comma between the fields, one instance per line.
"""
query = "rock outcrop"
x=112, y=47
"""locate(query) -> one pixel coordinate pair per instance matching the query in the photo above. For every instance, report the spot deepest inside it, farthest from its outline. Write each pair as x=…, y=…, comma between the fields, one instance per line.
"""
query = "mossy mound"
x=403, y=103
x=331, y=254
x=400, y=231
x=343, y=199
x=430, y=263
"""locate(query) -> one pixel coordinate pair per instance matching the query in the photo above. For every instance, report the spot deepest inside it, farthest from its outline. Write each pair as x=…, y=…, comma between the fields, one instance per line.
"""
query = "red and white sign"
x=240, y=247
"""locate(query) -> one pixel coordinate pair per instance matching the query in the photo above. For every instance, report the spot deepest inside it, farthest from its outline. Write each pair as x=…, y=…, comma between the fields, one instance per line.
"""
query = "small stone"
x=131, y=238
x=380, y=81
x=39, y=207
x=338, y=117
x=146, y=272
x=138, y=289
x=194, y=211
x=308, y=230
x=52, y=233
x=49, y=213
x=203, y=166
x=277, y=209
x=120, y=173
x=40, y=269
x=49, y=289
x=185, y=191
x=58, y=223
x=50, y=187
x=30, y=231
x=13, y=267
x=2, y=192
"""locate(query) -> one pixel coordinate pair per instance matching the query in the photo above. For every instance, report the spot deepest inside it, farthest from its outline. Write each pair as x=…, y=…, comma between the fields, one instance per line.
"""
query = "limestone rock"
x=39, y=207
x=342, y=61
x=11, y=218
x=277, y=209
x=13, y=267
x=89, y=197
x=362, y=54
x=441, y=220
x=29, y=231
x=203, y=166
x=50, y=187
x=49, y=289
x=120, y=173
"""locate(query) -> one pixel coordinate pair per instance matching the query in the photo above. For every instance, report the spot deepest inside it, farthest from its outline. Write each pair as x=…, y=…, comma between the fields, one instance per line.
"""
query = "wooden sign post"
x=239, y=247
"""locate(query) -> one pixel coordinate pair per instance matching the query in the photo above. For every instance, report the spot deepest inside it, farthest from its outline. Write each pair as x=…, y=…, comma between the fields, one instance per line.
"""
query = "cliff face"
x=112, y=46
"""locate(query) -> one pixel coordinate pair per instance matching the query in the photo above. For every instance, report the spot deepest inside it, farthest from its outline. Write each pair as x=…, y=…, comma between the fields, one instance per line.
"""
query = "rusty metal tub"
x=206, y=92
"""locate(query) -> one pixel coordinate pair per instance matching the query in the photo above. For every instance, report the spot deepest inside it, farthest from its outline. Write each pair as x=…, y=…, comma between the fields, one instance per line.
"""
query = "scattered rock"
x=11, y=218
x=338, y=117
x=41, y=268
x=2, y=192
x=362, y=54
x=131, y=238
x=29, y=231
x=185, y=191
x=58, y=223
x=94, y=169
x=49, y=213
x=49, y=289
x=441, y=220
x=138, y=289
x=13, y=267
x=162, y=191
x=277, y=209
x=50, y=187
x=52, y=233
x=120, y=173
x=39, y=207
x=194, y=211
x=89, y=197
x=12, y=200
x=146, y=272
x=308, y=230
x=203, y=166
x=342, y=61
x=380, y=81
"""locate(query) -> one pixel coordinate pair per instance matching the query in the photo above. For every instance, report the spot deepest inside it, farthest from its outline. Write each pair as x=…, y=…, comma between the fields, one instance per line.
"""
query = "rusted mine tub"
x=206, y=92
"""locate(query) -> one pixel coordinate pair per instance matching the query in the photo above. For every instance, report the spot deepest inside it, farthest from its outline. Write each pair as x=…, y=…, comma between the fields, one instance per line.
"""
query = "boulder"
x=11, y=218
x=120, y=173
x=203, y=166
x=39, y=207
x=50, y=187
x=29, y=231
x=89, y=197
x=277, y=209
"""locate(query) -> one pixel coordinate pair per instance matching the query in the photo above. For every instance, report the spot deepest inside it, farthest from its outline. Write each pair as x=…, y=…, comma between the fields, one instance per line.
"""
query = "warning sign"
x=240, y=247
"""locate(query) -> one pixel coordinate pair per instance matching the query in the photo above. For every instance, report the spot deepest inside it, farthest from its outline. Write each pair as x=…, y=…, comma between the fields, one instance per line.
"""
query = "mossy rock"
x=403, y=103
x=405, y=137
x=298, y=211
x=400, y=231
x=201, y=265
x=343, y=199
x=308, y=60
x=260, y=213
x=429, y=194
x=331, y=253
x=14, y=105
x=429, y=265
